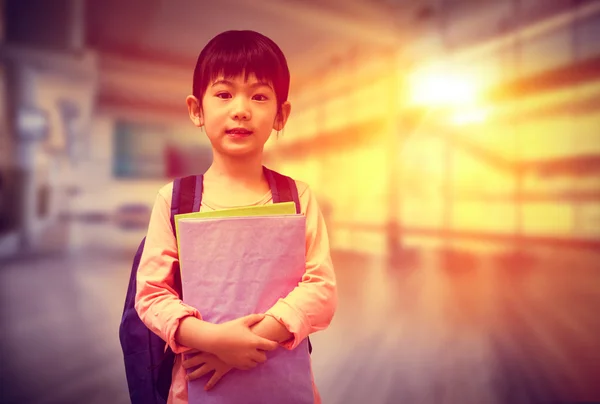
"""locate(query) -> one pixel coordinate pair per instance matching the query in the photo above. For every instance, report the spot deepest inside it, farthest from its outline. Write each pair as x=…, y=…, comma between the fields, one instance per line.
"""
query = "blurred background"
x=454, y=146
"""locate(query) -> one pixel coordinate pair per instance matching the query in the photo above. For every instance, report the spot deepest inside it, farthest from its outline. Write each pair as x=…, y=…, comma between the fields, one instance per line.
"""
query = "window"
x=139, y=151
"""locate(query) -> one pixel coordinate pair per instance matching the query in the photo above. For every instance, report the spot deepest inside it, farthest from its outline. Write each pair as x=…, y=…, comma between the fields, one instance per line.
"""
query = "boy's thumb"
x=267, y=344
x=252, y=319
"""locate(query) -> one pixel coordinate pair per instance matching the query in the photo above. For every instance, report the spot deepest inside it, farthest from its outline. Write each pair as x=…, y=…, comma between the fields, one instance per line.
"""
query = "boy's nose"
x=241, y=110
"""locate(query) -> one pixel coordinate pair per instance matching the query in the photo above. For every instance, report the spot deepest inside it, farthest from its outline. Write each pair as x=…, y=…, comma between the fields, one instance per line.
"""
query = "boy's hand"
x=209, y=364
x=238, y=346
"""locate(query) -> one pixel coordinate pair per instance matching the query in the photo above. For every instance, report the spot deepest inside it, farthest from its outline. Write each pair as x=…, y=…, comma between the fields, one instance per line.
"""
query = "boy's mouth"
x=238, y=132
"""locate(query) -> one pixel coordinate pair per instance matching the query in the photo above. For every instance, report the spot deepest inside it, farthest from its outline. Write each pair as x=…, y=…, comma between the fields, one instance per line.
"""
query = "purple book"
x=232, y=267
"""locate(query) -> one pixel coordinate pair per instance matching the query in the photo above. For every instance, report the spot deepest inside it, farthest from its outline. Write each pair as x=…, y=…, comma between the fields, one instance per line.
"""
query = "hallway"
x=447, y=134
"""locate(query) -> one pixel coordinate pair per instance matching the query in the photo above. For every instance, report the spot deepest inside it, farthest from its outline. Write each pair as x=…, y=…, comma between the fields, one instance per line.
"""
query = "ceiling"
x=310, y=32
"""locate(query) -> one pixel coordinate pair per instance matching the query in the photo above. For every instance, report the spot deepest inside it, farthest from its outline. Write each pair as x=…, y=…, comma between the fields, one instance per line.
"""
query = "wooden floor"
x=470, y=331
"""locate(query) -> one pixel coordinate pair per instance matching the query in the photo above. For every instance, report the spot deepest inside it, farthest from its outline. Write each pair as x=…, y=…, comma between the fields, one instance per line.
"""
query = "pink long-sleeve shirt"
x=306, y=309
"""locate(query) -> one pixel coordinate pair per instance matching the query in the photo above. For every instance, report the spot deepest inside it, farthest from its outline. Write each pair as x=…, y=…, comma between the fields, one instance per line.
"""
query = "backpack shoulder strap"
x=187, y=196
x=283, y=188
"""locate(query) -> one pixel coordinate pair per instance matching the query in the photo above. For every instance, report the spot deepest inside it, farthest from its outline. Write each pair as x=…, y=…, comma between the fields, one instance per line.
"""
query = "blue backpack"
x=148, y=365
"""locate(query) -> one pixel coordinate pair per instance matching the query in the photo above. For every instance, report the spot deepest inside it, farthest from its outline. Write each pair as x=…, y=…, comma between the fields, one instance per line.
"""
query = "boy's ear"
x=282, y=116
x=194, y=110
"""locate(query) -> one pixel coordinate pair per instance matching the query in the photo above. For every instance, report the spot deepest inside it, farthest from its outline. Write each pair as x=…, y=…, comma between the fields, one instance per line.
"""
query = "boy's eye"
x=260, y=97
x=224, y=96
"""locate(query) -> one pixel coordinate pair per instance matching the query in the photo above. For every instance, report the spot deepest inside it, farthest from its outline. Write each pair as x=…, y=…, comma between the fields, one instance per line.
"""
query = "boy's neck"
x=247, y=170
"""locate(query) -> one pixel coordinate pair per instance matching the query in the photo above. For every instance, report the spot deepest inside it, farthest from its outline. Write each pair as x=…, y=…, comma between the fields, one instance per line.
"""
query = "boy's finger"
x=214, y=379
x=201, y=371
x=259, y=356
x=250, y=364
x=266, y=344
x=191, y=353
x=194, y=361
x=252, y=319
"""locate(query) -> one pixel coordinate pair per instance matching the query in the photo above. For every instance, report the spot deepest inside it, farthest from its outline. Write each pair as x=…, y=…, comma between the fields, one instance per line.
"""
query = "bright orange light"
x=439, y=87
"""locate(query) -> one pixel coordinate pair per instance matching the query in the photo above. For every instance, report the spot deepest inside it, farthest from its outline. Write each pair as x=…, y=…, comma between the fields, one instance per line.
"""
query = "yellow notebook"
x=275, y=209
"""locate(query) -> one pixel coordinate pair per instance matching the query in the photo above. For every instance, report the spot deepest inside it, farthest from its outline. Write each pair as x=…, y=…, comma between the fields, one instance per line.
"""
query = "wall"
x=100, y=195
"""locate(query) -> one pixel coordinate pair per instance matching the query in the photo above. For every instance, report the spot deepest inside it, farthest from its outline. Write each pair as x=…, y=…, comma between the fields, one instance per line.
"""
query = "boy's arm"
x=160, y=308
x=311, y=305
x=157, y=302
x=272, y=329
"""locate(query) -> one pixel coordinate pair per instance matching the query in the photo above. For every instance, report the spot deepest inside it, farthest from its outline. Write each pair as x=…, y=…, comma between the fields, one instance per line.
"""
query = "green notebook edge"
x=275, y=209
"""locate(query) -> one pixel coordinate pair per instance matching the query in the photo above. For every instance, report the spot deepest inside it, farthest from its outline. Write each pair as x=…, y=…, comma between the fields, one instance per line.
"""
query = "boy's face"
x=238, y=116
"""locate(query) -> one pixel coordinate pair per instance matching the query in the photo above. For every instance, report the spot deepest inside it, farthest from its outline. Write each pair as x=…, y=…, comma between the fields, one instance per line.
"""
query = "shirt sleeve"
x=157, y=301
x=311, y=305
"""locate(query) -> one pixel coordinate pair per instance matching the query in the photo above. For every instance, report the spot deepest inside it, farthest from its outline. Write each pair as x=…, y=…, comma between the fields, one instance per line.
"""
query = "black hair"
x=233, y=53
